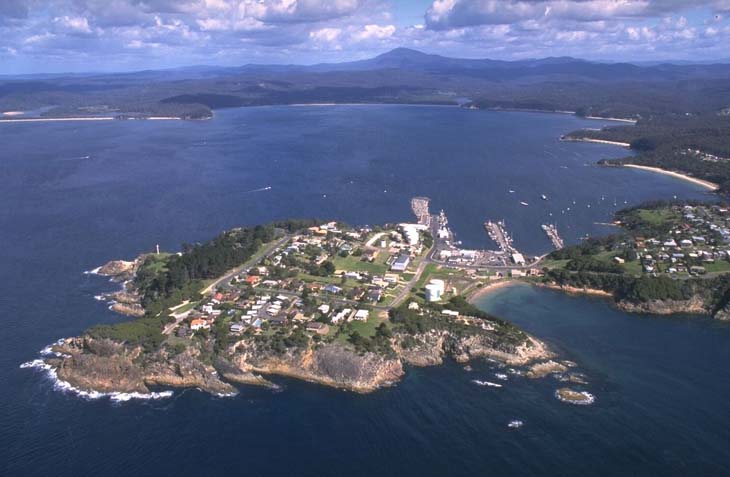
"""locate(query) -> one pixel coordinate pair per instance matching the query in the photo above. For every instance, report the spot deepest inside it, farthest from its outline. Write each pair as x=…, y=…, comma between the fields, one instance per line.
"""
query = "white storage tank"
x=433, y=292
x=439, y=283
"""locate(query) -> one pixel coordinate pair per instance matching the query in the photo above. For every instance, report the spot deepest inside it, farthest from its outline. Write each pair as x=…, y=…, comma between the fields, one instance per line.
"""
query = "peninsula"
x=323, y=302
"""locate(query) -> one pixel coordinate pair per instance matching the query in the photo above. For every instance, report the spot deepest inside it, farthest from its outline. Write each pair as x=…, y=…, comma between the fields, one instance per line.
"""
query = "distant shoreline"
x=92, y=118
x=701, y=182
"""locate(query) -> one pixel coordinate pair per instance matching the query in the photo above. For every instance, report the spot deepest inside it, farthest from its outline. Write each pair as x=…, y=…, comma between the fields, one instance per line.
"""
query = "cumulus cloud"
x=374, y=32
x=156, y=33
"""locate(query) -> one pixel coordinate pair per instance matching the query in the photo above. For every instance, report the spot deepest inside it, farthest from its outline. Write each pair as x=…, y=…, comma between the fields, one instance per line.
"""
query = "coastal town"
x=332, y=279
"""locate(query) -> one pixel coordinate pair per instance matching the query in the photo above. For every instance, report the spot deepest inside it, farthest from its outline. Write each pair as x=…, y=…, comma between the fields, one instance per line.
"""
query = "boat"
x=524, y=203
x=511, y=191
x=516, y=424
x=543, y=197
x=486, y=383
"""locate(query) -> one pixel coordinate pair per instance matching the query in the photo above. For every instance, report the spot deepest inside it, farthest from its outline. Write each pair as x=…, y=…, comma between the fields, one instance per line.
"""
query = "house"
x=317, y=327
x=252, y=279
x=278, y=320
x=236, y=328
x=619, y=260
x=517, y=273
x=341, y=316
x=332, y=289
x=361, y=315
x=450, y=313
x=198, y=324
x=324, y=308
x=370, y=255
x=375, y=294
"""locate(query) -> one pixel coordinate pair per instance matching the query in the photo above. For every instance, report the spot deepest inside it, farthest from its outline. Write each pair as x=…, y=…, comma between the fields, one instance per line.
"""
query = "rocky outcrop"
x=107, y=366
x=429, y=349
x=119, y=269
x=695, y=305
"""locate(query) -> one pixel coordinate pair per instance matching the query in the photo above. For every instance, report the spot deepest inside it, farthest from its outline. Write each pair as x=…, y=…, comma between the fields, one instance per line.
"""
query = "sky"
x=55, y=36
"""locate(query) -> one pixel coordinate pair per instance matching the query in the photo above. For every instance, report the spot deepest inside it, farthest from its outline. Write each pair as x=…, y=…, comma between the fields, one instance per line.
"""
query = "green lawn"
x=717, y=266
x=554, y=263
x=365, y=328
x=657, y=217
x=354, y=264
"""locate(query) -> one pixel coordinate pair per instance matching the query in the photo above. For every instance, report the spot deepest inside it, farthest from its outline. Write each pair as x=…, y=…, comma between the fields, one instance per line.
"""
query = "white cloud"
x=72, y=24
x=327, y=35
x=372, y=31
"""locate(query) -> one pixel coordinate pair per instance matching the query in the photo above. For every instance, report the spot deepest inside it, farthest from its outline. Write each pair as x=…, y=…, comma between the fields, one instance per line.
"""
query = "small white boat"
x=524, y=204
x=511, y=191
x=543, y=197
x=486, y=383
x=516, y=424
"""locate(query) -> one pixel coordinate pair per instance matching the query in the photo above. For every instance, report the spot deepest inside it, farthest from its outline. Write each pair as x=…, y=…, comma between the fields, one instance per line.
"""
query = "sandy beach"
x=492, y=287
x=599, y=141
x=620, y=120
x=706, y=184
x=43, y=120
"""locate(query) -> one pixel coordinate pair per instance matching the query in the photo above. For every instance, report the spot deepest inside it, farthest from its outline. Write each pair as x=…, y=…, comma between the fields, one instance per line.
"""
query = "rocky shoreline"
x=105, y=366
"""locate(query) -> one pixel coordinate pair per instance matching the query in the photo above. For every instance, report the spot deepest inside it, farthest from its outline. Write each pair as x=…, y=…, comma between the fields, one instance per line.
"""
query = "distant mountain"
x=401, y=75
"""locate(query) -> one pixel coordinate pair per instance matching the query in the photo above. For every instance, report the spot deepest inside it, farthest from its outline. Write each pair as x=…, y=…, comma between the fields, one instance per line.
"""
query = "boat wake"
x=486, y=383
x=262, y=189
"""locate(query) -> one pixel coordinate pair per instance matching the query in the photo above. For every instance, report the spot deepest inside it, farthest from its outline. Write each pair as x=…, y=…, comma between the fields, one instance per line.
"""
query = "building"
x=317, y=327
x=361, y=315
x=199, y=324
x=518, y=258
x=401, y=263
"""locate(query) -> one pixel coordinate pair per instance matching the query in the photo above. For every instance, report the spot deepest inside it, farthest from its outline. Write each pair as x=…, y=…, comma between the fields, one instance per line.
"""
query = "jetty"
x=497, y=231
x=552, y=232
x=419, y=206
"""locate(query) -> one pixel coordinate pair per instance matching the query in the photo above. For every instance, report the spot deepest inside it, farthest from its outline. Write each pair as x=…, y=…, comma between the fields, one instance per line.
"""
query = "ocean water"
x=75, y=195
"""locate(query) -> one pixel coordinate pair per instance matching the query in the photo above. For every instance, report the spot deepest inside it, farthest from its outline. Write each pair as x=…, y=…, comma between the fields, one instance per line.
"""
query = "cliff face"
x=107, y=366
x=329, y=364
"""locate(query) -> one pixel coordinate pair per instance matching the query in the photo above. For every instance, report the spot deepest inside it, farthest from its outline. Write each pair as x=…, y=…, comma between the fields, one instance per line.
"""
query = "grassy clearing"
x=717, y=266
x=365, y=328
x=355, y=264
x=658, y=217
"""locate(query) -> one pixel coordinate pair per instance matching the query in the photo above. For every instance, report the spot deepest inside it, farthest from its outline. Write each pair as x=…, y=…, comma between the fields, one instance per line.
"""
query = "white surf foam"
x=64, y=386
x=589, y=399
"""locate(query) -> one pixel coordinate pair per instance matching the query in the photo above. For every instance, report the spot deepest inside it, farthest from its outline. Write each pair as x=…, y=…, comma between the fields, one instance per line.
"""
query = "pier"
x=552, y=232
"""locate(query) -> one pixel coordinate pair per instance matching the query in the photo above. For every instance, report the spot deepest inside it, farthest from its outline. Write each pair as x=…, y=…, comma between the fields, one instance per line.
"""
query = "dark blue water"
x=75, y=195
